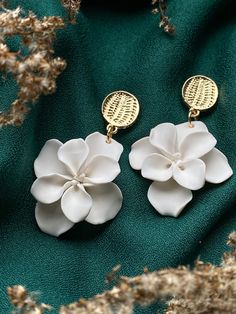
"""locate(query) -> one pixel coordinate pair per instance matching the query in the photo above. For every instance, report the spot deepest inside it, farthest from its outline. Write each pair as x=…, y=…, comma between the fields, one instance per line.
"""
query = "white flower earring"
x=180, y=158
x=74, y=179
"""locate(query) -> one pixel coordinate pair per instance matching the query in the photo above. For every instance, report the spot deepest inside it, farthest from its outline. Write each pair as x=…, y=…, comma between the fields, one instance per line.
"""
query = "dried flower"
x=72, y=6
x=232, y=239
x=26, y=302
x=160, y=7
x=36, y=72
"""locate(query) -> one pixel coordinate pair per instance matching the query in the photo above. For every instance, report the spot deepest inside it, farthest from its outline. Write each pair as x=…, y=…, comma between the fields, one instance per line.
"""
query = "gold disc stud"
x=120, y=109
x=200, y=92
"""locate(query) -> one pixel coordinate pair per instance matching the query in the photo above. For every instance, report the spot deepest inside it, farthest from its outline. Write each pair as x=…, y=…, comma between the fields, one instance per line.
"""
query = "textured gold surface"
x=200, y=92
x=120, y=109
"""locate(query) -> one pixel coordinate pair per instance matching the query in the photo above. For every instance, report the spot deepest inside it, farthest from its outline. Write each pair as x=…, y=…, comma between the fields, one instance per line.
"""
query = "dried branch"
x=204, y=289
x=191, y=288
x=73, y=7
x=160, y=7
x=36, y=72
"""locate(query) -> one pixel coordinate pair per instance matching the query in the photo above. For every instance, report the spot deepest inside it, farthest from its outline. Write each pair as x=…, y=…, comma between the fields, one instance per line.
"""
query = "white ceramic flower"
x=178, y=159
x=74, y=183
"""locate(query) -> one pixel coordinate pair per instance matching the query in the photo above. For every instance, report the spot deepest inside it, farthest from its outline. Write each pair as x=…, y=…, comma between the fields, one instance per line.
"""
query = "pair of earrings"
x=74, y=179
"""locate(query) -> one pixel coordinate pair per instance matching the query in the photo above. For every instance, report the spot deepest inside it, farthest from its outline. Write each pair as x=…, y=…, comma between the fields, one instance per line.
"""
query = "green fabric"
x=119, y=47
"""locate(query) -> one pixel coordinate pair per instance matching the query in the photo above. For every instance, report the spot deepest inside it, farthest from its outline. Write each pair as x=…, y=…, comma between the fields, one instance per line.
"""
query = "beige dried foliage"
x=25, y=302
x=35, y=72
x=205, y=289
x=160, y=7
x=72, y=7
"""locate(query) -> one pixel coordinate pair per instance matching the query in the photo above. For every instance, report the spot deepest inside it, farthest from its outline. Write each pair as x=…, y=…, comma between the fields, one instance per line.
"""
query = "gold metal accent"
x=200, y=92
x=192, y=114
x=110, y=131
x=120, y=109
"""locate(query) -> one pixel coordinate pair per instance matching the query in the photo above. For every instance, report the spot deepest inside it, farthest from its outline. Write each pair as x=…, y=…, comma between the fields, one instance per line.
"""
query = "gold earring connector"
x=192, y=115
x=111, y=129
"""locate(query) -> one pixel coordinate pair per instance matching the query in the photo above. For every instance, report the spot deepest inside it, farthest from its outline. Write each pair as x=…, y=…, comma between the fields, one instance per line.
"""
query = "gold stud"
x=199, y=93
x=120, y=109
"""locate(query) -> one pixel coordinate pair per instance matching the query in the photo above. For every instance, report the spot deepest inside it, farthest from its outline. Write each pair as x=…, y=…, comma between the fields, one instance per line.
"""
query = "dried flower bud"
x=155, y=11
x=25, y=302
x=170, y=29
x=17, y=294
x=232, y=239
x=160, y=8
x=72, y=6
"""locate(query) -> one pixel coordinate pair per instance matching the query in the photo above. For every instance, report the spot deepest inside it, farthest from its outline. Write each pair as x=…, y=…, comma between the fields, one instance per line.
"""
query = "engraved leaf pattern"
x=200, y=93
x=120, y=109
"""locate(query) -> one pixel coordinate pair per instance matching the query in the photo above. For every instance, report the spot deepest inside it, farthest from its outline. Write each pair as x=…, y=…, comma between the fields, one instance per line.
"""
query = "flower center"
x=78, y=179
x=176, y=157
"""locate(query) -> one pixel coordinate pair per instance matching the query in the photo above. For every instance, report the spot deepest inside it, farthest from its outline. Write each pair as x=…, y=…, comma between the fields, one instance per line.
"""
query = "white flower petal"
x=107, y=201
x=51, y=219
x=73, y=154
x=76, y=203
x=184, y=130
x=139, y=151
x=196, y=145
x=164, y=137
x=101, y=169
x=47, y=161
x=217, y=166
x=157, y=167
x=98, y=146
x=169, y=198
x=49, y=189
x=190, y=174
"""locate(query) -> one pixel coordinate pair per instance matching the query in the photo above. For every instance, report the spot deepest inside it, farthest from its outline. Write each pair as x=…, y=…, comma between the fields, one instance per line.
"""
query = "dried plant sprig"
x=232, y=240
x=191, y=288
x=160, y=7
x=112, y=276
x=204, y=289
x=25, y=302
x=36, y=72
x=2, y=4
x=73, y=7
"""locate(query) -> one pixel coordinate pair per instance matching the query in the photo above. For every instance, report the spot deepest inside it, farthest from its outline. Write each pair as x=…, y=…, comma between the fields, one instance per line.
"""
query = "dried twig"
x=72, y=6
x=160, y=7
x=36, y=72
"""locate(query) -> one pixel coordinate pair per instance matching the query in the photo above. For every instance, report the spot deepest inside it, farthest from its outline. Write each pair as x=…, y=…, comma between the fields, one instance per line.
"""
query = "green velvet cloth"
x=112, y=47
